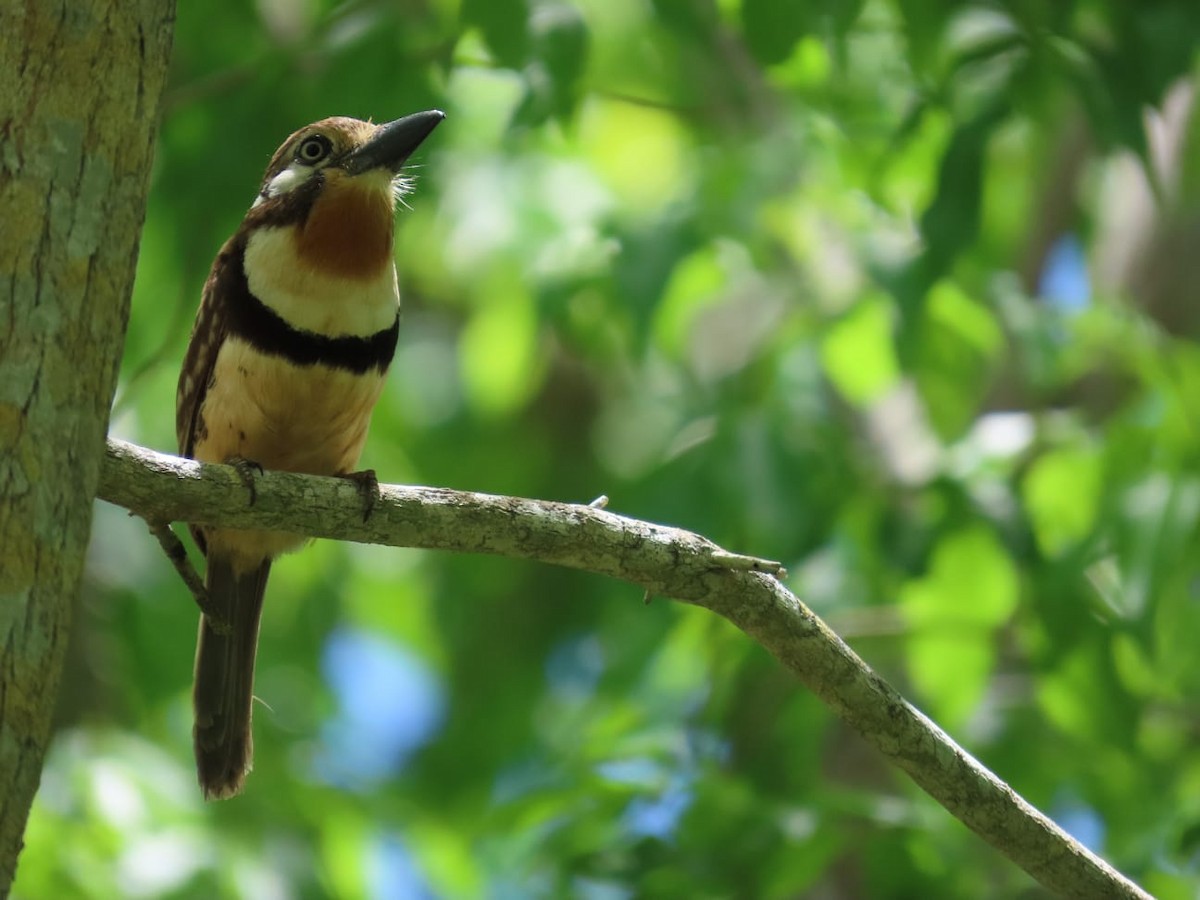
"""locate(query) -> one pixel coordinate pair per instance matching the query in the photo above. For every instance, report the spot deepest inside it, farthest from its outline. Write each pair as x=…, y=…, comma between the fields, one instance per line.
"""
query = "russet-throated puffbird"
x=294, y=335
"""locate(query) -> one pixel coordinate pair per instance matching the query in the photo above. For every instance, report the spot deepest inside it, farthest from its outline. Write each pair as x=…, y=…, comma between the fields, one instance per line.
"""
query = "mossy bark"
x=83, y=82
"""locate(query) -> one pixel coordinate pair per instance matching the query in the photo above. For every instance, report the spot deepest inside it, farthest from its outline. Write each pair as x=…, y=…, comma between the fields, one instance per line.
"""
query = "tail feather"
x=224, y=680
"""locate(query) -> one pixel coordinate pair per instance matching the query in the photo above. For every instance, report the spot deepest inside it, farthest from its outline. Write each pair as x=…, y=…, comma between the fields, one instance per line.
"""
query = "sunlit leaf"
x=1062, y=496
x=499, y=360
x=959, y=341
x=951, y=672
x=695, y=284
x=971, y=589
x=858, y=352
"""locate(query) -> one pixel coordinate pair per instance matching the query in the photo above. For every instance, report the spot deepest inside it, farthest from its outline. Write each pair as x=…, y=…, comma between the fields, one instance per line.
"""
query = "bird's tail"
x=224, y=679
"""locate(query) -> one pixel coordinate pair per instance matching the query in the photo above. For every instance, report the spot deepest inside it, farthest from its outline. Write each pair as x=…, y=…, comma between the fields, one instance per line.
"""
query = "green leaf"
x=505, y=28
x=560, y=50
x=500, y=364
x=971, y=581
x=951, y=672
x=695, y=284
x=959, y=341
x=972, y=588
x=858, y=352
x=687, y=17
x=562, y=41
x=1075, y=699
x=925, y=23
x=951, y=223
x=1062, y=495
x=772, y=28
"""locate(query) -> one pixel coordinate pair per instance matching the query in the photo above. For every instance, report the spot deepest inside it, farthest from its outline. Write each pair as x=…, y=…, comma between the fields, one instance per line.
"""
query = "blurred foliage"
x=901, y=292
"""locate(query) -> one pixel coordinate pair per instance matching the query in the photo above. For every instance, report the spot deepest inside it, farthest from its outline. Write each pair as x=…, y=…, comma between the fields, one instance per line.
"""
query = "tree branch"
x=664, y=562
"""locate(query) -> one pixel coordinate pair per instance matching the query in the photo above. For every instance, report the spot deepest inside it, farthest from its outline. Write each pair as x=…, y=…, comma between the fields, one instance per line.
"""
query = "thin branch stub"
x=177, y=554
x=742, y=563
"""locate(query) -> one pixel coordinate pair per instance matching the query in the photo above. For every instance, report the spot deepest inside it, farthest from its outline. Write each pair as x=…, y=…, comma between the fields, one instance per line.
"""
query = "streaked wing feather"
x=208, y=334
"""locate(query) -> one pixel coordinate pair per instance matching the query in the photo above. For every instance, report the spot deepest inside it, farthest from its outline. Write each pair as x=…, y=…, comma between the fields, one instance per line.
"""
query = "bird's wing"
x=208, y=334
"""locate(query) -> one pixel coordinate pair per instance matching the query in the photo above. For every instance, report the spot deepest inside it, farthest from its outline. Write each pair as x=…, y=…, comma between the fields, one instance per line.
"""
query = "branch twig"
x=662, y=561
x=177, y=554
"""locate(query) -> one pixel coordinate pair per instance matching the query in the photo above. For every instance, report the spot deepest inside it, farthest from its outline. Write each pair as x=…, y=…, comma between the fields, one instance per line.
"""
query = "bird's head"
x=345, y=151
x=334, y=184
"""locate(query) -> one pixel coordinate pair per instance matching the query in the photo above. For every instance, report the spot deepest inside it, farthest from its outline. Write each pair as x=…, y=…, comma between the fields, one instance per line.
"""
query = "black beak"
x=393, y=143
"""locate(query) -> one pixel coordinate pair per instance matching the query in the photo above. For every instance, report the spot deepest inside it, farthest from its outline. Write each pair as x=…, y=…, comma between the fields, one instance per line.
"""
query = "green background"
x=902, y=293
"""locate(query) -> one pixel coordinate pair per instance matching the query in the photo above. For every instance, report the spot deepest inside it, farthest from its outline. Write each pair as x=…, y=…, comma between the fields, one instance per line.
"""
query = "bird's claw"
x=247, y=470
x=367, y=483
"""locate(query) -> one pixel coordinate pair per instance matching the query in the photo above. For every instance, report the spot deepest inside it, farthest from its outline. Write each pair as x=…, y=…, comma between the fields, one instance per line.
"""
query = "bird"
x=295, y=331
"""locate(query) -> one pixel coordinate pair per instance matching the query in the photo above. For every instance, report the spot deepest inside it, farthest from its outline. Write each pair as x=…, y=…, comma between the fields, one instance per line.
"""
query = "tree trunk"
x=83, y=80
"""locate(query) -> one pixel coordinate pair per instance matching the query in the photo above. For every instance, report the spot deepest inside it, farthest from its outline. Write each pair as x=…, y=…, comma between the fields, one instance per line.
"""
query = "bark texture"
x=83, y=81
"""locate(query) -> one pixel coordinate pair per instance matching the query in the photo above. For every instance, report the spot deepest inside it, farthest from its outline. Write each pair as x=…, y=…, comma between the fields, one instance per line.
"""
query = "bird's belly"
x=310, y=419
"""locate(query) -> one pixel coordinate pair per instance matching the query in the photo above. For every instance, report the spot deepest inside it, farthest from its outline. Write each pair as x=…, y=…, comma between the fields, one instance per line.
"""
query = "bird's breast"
x=333, y=274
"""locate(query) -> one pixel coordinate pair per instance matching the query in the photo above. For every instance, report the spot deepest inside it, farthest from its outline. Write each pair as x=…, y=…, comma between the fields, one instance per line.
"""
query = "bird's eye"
x=313, y=149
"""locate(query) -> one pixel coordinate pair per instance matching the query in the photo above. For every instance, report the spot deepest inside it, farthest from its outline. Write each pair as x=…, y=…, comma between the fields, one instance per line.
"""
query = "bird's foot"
x=368, y=488
x=247, y=470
